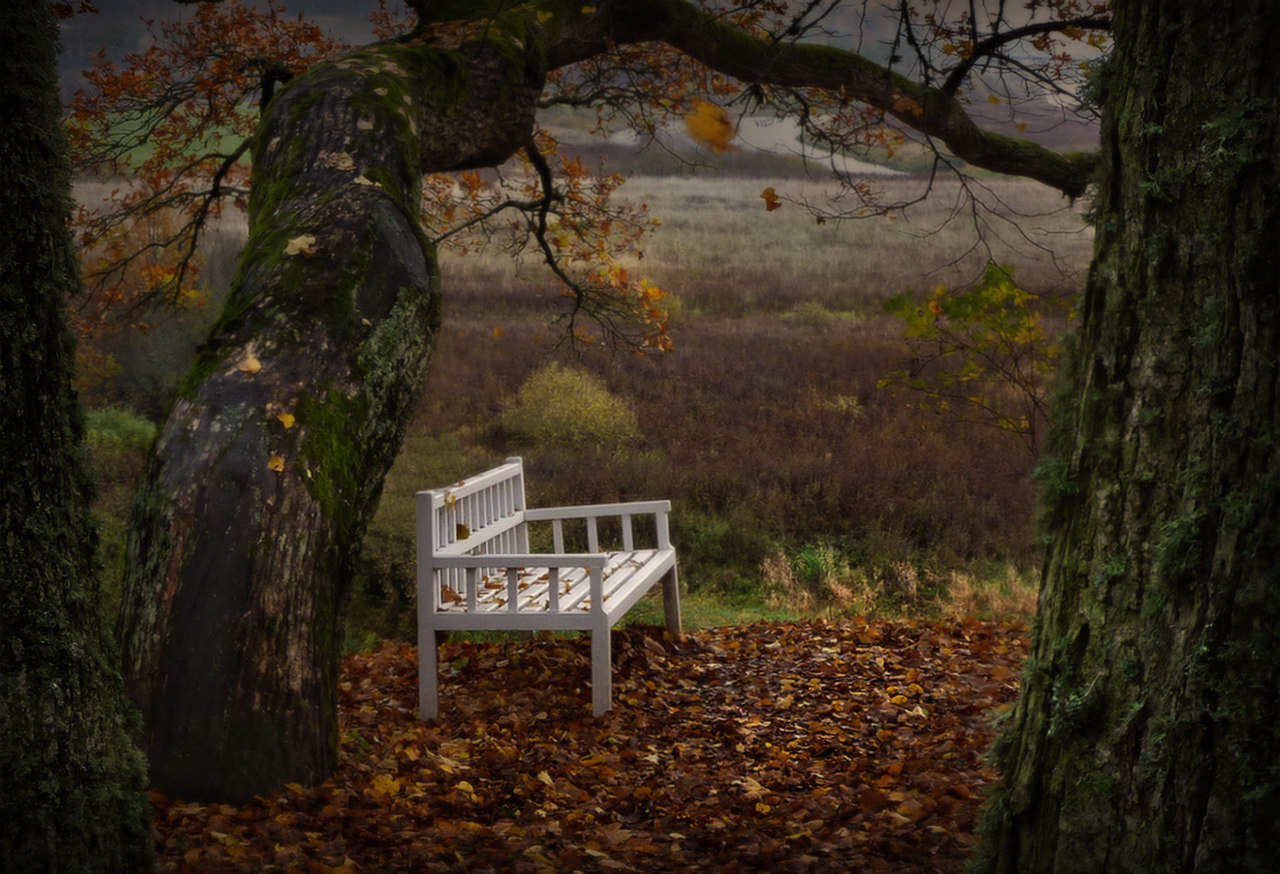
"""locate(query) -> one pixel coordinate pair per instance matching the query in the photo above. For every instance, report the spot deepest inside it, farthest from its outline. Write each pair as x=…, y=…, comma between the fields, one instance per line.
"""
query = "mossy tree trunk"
x=72, y=785
x=270, y=462
x=1147, y=736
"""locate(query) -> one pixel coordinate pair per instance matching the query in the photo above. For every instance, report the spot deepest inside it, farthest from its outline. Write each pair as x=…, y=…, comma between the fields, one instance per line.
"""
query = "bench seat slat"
x=621, y=569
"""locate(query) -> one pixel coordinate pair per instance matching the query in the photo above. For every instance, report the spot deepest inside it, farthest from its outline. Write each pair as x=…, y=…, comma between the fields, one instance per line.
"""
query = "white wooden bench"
x=477, y=572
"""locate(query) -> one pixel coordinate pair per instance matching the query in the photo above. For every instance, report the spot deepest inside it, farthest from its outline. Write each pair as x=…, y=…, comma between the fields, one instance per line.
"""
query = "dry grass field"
x=800, y=487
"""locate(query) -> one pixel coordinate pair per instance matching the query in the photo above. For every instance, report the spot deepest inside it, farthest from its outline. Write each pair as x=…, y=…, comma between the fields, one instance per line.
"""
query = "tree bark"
x=1147, y=735
x=270, y=462
x=72, y=785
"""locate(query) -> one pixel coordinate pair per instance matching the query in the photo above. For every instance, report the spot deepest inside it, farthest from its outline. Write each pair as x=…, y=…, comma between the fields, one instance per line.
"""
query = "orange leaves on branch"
x=167, y=129
x=581, y=231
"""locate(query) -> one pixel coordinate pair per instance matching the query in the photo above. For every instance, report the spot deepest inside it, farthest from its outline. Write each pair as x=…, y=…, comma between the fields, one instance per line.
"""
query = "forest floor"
x=815, y=746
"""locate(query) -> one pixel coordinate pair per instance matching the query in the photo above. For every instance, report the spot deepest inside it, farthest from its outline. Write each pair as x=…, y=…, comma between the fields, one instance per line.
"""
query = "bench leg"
x=429, y=674
x=601, y=670
x=671, y=601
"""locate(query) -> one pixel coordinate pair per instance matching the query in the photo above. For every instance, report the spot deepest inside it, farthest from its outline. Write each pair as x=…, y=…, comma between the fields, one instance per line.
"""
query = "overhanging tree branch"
x=989, y=46
x=843, y=74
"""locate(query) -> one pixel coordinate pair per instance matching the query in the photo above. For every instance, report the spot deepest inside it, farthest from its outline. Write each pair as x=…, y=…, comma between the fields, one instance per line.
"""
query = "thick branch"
x=841, y=73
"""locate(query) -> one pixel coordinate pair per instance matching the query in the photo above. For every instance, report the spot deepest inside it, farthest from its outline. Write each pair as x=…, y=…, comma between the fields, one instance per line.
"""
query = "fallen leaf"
x=249, y=364
x=302, y=245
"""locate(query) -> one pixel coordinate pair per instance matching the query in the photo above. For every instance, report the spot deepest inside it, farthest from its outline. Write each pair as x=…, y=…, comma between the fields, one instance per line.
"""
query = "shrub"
x=115, y=428
x=560, y=407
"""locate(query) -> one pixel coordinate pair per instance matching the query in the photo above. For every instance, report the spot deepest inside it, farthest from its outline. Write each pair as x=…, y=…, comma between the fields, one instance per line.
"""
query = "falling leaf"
x=709, y=125
x=302, y=245
x=249, y=364
x=498, y=331
x=770, y=198
x=991, y=98
x=276, y=463
x=287, y=420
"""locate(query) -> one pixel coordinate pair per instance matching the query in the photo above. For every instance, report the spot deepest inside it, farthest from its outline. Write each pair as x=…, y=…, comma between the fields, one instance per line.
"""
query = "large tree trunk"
x=72, y=785
x=271, y=460
x=1147, y=736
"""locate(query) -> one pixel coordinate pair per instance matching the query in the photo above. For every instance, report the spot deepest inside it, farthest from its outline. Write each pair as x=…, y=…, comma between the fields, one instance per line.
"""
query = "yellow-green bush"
x=559, y=407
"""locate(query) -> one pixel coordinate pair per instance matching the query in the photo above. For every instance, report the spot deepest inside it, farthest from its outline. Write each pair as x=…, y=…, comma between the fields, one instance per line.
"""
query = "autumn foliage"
x=772, y=747
x=166, y=131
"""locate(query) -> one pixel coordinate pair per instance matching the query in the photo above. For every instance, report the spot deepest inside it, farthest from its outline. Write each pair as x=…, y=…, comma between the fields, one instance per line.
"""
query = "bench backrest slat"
x=487, y=507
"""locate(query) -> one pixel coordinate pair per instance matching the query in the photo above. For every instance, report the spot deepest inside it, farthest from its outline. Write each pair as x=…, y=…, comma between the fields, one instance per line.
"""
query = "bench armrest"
x=586, y=511
x=589, y=513
x=520, y=560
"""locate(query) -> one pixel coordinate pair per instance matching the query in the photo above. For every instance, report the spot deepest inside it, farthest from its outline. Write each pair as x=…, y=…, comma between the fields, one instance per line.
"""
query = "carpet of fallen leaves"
x=855, y=746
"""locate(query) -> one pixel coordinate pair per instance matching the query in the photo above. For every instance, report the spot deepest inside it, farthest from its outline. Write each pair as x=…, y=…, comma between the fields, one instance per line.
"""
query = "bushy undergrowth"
x=118, y=441
x=561, y=407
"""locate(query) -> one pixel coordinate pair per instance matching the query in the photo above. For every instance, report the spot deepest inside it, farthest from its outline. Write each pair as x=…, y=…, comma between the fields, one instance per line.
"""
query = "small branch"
x=994, y=42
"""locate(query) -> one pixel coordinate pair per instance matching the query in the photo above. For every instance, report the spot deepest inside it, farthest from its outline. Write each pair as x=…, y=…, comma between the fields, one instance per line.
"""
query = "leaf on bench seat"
x=450, y=596
x=461, y=531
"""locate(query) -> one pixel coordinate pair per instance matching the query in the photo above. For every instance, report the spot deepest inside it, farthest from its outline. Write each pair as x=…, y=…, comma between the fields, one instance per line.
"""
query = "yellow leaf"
x=303, y=245
x=250, y=364
x=287, y=420
x=384, y=784
x=497, y=332
x=1021, y=126
x=709, y=125
x=544, y=16
x=545, y=778
x=464, y=786
x=991, y=98
x=770, y=198
x=588, y=10
x=762, y=807
x=276, y=463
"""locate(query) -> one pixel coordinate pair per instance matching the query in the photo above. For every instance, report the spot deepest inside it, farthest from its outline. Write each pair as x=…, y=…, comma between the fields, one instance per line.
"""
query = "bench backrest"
x=483, y=514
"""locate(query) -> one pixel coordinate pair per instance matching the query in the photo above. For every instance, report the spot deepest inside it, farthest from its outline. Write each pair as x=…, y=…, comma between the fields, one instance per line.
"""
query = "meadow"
x=800, y=487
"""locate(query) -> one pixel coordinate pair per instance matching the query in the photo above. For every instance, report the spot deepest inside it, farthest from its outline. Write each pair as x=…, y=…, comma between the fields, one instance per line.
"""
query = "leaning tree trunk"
x=1147, y=736
x=272, y=457
x=72, y=785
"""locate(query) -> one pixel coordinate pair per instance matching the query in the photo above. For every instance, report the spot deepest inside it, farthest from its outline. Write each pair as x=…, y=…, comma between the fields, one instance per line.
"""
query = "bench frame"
x=476, y=572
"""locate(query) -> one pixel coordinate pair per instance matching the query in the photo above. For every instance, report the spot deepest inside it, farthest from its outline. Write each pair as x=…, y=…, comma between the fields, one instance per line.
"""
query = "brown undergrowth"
x=854, y=746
